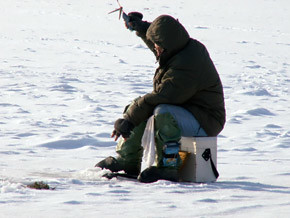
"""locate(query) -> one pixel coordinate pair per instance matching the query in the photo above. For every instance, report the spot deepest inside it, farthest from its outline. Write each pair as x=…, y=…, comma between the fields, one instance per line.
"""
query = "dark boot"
x=116, y=165
x=153, y=174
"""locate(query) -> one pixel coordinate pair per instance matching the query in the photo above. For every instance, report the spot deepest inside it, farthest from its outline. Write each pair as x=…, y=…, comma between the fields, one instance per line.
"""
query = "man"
x=187, y=99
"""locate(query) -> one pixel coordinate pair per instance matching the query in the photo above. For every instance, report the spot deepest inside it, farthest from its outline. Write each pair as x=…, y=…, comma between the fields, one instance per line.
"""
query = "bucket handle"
x=207, y=156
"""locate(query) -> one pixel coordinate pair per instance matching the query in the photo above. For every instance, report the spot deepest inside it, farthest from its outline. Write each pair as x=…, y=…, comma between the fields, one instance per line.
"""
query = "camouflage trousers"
x=170, y=123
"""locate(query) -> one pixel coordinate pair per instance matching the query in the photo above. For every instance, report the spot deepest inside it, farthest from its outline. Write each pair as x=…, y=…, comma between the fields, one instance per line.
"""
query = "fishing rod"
x=126, y=17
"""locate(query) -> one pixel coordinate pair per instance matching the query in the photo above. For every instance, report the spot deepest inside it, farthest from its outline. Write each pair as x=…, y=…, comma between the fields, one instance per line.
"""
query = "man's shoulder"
x=190, y=56
x=196, y=46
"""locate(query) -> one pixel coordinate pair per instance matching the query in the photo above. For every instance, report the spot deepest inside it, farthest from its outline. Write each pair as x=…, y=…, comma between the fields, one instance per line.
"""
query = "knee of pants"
x=186, y=121
x=166, y=127
x=161, y=109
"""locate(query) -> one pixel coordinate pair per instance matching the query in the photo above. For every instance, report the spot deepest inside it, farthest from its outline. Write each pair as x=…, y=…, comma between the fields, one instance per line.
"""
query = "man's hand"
x=135, y=23
x=131, y=18
x=122, y=127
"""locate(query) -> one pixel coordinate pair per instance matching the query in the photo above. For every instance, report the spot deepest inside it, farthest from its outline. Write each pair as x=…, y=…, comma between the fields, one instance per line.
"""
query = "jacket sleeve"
x=142, y=35
x=176, y=87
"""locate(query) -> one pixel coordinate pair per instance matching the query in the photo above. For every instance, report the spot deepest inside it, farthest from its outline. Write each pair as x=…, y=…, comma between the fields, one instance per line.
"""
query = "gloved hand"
x=122, y=127
x=135, y=23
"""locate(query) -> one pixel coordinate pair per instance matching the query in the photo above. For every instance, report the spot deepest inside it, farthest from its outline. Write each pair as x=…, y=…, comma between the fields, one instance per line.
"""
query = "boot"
x=116, y=165
x=153, y=174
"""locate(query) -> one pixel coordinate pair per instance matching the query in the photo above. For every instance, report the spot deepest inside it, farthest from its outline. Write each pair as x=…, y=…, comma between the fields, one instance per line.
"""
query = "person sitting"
x=187, y=99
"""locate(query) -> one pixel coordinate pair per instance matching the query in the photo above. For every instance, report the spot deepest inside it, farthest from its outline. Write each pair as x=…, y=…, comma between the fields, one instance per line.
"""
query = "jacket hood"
x=169, y=34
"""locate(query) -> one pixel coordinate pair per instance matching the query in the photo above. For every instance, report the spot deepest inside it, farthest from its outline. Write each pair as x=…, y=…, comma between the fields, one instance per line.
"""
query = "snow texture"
x=67, y=71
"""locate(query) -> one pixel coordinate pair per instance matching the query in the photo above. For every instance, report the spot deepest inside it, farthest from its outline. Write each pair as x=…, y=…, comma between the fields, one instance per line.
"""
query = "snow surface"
x=67, y=71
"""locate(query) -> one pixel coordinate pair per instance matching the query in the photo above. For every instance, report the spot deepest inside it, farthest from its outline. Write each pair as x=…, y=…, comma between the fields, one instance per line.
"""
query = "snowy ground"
x=68, y=69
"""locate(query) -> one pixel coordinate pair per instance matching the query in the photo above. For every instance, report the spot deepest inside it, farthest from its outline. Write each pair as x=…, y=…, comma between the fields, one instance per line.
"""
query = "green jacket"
x=186, y=77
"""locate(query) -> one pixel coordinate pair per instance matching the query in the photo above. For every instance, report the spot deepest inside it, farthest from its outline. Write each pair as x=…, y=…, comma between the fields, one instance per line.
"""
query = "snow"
x=67, y=71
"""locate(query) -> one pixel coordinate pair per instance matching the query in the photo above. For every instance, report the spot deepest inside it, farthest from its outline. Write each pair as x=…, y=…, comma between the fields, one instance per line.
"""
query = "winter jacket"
x=186, y=77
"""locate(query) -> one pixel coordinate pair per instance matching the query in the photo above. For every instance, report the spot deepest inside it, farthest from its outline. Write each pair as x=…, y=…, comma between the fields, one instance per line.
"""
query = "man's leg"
x=187, y=123
x=129, y=152
x=171, y=122
x=166, y=130
x=174, y=118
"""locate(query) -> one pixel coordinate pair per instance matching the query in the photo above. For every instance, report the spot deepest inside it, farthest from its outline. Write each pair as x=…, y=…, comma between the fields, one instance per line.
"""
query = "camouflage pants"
x=170, y=123
x=166, y=129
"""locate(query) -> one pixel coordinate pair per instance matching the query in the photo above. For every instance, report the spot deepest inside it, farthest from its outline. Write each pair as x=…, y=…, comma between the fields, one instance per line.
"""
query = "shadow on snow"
x=76, y=143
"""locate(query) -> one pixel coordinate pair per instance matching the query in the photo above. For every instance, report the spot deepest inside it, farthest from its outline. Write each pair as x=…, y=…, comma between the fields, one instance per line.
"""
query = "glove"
x=135, y=23
x=122, y=127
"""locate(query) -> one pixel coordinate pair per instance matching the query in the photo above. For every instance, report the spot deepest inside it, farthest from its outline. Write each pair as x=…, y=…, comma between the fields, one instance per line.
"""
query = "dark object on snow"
x=153, y=174
x=114, y=165
x=39, y=186
x=149, y=175
x=124, y=175
x=109, y=163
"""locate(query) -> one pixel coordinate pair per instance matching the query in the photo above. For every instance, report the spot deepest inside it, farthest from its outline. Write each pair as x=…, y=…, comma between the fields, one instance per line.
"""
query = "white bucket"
x=201, y=159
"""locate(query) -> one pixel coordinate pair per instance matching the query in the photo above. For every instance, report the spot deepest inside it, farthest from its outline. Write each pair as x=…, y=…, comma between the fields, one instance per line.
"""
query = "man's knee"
x=161, y=109
x=166, y=127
